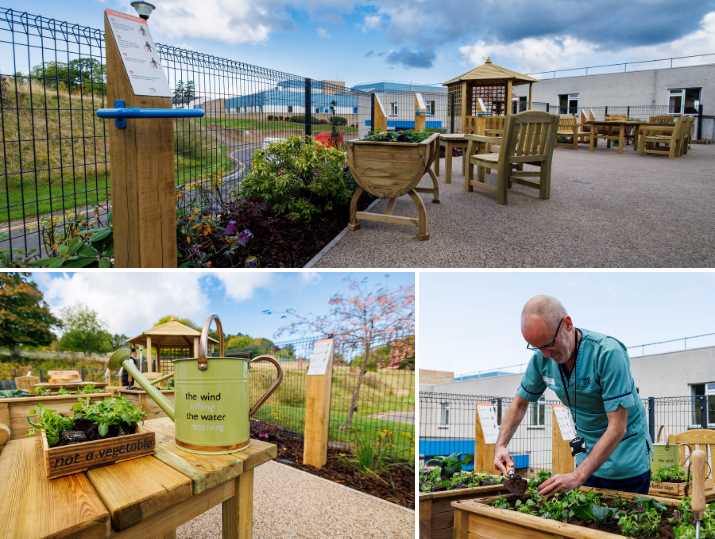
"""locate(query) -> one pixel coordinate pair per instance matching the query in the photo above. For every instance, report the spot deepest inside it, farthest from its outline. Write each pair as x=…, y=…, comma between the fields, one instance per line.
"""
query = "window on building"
x=430, y=108
x=355, y=110
x=522, y=103
x=707, y=392
x=568, y=104
x=393, y=108
x=290, y=108
x=537, y=411
x=317, y=110
x=444, y=414
x=684, y=101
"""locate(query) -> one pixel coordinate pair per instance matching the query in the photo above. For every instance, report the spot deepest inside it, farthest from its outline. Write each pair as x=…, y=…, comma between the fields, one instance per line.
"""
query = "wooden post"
x=463, y=108
x=318, y=384
x=508, y=104
x=149, y=362
x=561, y=459
x=485, y=445
x=529, y=106
x=379, y=115
x=420, y=112
x=142, y=175
x=196, y=347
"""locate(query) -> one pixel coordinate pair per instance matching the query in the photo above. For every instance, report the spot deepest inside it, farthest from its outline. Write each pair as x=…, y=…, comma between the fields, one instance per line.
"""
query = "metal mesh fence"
x=384, y=412
x=447, y=424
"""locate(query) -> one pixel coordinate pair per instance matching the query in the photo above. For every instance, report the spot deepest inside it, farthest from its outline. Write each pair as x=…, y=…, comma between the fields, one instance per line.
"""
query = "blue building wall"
x=434, y=447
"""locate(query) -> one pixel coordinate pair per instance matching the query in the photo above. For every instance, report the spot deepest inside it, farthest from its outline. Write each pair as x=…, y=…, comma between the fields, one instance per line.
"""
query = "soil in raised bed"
x=396, y=484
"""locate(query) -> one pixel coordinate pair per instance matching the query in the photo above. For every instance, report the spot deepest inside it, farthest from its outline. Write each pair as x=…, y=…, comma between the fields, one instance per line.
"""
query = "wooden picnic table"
x=69, y=385
x=622, y=125
x=141, y=498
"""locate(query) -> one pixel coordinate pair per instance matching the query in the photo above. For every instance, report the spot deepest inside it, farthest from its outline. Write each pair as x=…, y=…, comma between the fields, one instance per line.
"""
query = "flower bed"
x=582, y=513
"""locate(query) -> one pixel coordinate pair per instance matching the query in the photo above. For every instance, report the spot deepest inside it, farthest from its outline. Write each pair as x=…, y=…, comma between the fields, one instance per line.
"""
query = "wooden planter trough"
x=14, y=411
x=437, y=513
x=679, y=490
x=70, y=459
x=390, y=170
x=474, y=519
x=139, y=398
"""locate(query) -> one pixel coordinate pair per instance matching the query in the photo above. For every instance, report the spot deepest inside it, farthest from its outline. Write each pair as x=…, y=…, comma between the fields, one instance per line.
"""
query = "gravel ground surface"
x=606, y=210
x=292, y=504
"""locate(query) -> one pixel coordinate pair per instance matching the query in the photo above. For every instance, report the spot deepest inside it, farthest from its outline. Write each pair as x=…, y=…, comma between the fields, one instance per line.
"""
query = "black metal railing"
x=447, y=423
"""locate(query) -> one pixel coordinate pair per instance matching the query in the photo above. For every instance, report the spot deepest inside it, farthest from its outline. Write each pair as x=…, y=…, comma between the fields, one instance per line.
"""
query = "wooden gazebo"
x=485, y=90
x=170, y=336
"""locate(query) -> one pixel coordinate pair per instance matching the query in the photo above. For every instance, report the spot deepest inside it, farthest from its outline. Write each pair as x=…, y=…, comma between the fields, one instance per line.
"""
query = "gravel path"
x=292, y=504
x=606, y=210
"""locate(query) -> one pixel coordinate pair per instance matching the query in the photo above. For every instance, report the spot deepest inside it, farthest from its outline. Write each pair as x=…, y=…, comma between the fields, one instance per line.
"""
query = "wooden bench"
x=664, y=139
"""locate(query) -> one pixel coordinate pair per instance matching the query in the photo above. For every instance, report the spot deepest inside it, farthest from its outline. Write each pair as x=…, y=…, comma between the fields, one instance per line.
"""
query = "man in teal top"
x=590, y=373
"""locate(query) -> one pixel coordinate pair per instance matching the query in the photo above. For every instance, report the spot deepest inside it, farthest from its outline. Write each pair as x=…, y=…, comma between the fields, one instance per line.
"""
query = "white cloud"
x=310, y=277
x=128, y=302
x=560, y=52
x=371, y=22
x=323, y=33
x=241, y=285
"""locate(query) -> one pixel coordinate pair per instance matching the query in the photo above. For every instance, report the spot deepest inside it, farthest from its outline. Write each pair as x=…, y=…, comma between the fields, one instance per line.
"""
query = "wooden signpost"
x=142, y=154
x=420, y=112
x=318, y=385
x=562, y=431
x=487, y=432
x=378, y=113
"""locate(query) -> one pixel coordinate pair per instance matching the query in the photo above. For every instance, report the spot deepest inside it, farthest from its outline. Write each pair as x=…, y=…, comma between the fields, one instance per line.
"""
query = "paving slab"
x=292, y=504
x=606, y=210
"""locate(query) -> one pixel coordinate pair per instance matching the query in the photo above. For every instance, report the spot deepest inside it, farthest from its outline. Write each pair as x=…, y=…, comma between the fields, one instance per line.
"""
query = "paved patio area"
x=292, y=504
x=606, y=210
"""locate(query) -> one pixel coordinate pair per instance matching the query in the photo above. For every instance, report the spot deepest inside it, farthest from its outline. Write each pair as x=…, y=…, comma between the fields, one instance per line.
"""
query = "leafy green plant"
x=371, y=454
x=51, y=421
x=88, y=389
x=670, y=474
x=41, y=391
x=450, y=464
x=63, y=391
x=299, y=178
x=399, y=136
x=114, y=412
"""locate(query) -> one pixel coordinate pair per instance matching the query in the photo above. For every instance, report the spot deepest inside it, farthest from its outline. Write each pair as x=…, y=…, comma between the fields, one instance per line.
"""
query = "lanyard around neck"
x=563, y=379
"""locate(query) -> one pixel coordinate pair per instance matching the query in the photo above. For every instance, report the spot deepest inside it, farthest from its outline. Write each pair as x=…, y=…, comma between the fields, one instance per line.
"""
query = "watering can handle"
x=274, y=386
x=204, y=341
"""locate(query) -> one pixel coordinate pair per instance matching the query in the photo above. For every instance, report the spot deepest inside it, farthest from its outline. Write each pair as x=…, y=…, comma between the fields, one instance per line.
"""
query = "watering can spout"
x=151, y=390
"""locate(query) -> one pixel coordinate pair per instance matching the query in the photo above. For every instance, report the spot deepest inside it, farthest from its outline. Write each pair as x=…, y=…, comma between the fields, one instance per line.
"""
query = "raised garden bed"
x=582, y=514
x=139, y=398
x=15, y=411
x=389, y=166
x=672, y=482
x=396, y=484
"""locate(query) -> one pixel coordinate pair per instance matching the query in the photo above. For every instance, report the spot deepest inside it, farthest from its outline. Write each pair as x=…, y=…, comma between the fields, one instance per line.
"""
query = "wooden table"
x=621, y=125
x=69, y=385
x=142, y=498
x=449, y=142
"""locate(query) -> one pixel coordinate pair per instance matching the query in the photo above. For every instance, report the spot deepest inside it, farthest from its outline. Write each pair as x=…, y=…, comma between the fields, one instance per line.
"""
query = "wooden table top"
x=616, y=122
x=452, y=137
x=116, y=496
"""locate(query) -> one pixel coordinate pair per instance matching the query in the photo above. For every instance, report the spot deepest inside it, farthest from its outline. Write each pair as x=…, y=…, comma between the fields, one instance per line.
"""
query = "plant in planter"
x=670, y=474
x=451, y=464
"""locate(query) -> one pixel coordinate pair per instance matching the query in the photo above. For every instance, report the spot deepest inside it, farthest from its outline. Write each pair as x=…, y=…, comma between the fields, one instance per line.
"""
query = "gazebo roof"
x=171, y=333
x=490, y=72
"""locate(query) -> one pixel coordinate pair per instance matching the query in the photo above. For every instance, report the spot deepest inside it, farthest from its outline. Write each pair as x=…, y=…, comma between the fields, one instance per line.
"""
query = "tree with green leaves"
x=185, y=321
x=84, y=331
x=366, y=313
x=25, y=318
x=85, y=74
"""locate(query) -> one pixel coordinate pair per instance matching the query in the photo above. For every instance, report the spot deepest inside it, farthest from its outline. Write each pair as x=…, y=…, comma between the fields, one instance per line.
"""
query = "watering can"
x=211, y=397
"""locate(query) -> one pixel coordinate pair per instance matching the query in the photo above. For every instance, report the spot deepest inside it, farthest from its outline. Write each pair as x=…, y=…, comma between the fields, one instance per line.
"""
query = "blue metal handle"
x=121, y=113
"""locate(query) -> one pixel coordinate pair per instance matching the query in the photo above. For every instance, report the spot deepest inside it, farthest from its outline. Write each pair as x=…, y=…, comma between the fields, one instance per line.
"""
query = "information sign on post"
x=318, y=385
x=321, y=357
x=139, y=55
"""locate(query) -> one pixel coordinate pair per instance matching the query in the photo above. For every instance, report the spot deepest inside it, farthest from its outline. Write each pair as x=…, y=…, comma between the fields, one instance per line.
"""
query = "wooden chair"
x=662, y=119
x=696, y=439
x=529, y=139
x=570, y=129
x=663, y=139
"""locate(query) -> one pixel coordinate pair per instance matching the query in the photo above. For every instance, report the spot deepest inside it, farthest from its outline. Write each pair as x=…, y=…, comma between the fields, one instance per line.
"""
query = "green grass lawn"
x=270, y=126
x=41, y=196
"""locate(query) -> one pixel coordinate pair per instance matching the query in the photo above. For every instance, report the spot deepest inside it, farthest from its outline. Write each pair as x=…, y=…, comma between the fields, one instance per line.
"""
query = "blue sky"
x=471, y=321
x=415, y=41
x=129, y=302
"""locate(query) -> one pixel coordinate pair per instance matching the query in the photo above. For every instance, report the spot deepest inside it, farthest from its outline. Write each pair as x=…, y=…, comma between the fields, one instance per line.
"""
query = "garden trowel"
x=697, y=502
x=514, y=483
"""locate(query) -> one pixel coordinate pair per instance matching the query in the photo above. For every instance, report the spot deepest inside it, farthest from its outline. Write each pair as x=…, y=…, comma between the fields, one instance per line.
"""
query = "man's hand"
x=560, y=483
x=502, y=459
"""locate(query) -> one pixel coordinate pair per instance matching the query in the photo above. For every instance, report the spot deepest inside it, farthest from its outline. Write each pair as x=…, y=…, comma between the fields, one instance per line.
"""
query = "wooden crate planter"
x=139, y=398
x=437, y=513
x=474, y=519
x=679, y=490
x=390, y=170
x=69, y=459
x=14, y=411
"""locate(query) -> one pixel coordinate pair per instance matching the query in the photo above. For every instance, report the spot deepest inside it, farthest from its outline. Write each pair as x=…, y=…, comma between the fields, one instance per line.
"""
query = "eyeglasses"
x=549, y=345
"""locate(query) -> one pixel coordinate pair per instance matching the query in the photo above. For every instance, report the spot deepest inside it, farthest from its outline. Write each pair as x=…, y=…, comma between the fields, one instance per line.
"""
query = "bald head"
x=546, y=308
